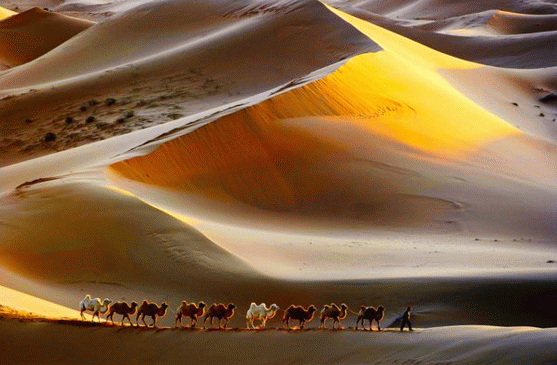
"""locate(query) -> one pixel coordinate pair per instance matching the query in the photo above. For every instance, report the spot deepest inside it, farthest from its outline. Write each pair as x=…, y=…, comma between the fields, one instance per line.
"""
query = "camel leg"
x=82, y=316
x=302, y=324
x=378, y=325
x=154, y=318
x=143, y=319
x=263, y=322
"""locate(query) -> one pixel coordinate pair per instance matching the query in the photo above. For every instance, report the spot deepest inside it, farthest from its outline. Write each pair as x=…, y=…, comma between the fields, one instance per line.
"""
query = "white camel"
x=260, y=312
x=94, y=305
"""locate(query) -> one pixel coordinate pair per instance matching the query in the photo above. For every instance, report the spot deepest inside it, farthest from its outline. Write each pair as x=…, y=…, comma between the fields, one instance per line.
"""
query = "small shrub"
x=28, y=121
x=93, y=102
x=49, y=137
x=120, y=120
x=69, y=120
x=83, y=108
x=110, y=101
x=90, y=119
x=130, y=114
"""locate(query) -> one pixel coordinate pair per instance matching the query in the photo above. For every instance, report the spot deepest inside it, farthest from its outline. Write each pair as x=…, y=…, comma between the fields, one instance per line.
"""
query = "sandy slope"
x=39, y=30
x=130, y=346
x=311, y=157
x=166, y=73
x=500, y=33
x=6, y=13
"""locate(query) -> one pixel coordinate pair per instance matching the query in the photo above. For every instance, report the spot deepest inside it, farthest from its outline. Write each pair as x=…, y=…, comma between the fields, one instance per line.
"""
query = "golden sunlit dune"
x=36, y=306
x=6, y=13
x=285, y=152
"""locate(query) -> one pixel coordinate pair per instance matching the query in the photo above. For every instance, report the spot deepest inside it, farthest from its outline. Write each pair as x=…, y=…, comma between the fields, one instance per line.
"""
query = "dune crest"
x=30, y=34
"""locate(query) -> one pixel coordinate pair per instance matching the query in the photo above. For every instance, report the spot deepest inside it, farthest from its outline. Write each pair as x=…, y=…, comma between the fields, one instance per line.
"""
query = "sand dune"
x=29, y=29
x=193, y=79
x=448, y=345
x=6, y=13
x=503, y=34
x=285, y=152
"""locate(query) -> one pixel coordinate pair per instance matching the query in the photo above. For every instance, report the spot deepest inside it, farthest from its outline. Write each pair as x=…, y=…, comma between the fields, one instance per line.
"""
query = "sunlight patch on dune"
x=28, y=303
x=6, y=13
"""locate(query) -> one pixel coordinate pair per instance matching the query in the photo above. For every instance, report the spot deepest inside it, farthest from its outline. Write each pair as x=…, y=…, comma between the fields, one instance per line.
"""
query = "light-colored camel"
x=93, y=305
x=260, y=312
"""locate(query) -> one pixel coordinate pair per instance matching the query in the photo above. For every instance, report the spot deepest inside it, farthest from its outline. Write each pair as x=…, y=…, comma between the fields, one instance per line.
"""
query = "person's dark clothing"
x=406, y=320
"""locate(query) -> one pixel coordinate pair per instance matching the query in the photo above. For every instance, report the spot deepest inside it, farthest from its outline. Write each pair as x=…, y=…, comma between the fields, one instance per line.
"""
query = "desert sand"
x=291, y=152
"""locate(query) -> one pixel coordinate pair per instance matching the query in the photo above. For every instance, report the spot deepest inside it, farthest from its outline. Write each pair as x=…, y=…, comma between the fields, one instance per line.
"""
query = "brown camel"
x=152, y=310
x=334, y=312
x=190, y=310
x=122, y=308
x=300, y=314
x=219, y=311
x=371, y=314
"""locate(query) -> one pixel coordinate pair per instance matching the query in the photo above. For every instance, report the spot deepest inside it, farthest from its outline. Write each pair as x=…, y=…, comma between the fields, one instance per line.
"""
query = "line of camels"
x=223, y=313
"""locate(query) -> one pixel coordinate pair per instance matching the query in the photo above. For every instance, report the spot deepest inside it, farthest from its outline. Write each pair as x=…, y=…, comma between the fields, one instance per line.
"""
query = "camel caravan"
x=223, y=313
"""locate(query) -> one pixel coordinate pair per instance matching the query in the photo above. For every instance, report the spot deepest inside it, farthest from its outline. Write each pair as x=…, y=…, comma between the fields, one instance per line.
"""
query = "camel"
x=371, y=314
x=94, y=305
x=260, y=312
x=190, y=310
x=334, y=312
x=152, y=310
x=300, y=314
x=122, y=308
x=219, y=311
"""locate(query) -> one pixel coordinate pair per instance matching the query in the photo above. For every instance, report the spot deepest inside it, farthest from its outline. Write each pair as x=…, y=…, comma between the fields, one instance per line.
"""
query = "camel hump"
x=252, y=305
x=290, y=308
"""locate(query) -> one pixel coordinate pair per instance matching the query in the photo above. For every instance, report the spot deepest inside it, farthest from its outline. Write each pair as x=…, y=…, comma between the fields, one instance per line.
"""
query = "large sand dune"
x=28, y=35
x=284, y=152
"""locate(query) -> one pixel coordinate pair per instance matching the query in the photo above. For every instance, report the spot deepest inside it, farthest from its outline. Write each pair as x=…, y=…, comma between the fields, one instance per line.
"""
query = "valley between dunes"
x=291, y=152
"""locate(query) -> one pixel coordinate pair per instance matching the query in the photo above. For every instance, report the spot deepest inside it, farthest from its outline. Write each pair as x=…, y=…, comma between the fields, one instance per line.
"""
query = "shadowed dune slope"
x=454, y=345
x=31, y=34
x=167, y=33
x=121, y=252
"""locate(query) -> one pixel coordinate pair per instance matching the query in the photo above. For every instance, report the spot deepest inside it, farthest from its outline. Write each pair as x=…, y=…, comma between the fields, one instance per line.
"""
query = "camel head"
x=106, y=302
x=312, y=309
x=231, y=306
x=134, y=304
x=380, y=308
x=201, y=305
x=274, y=307
x=343, y=307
